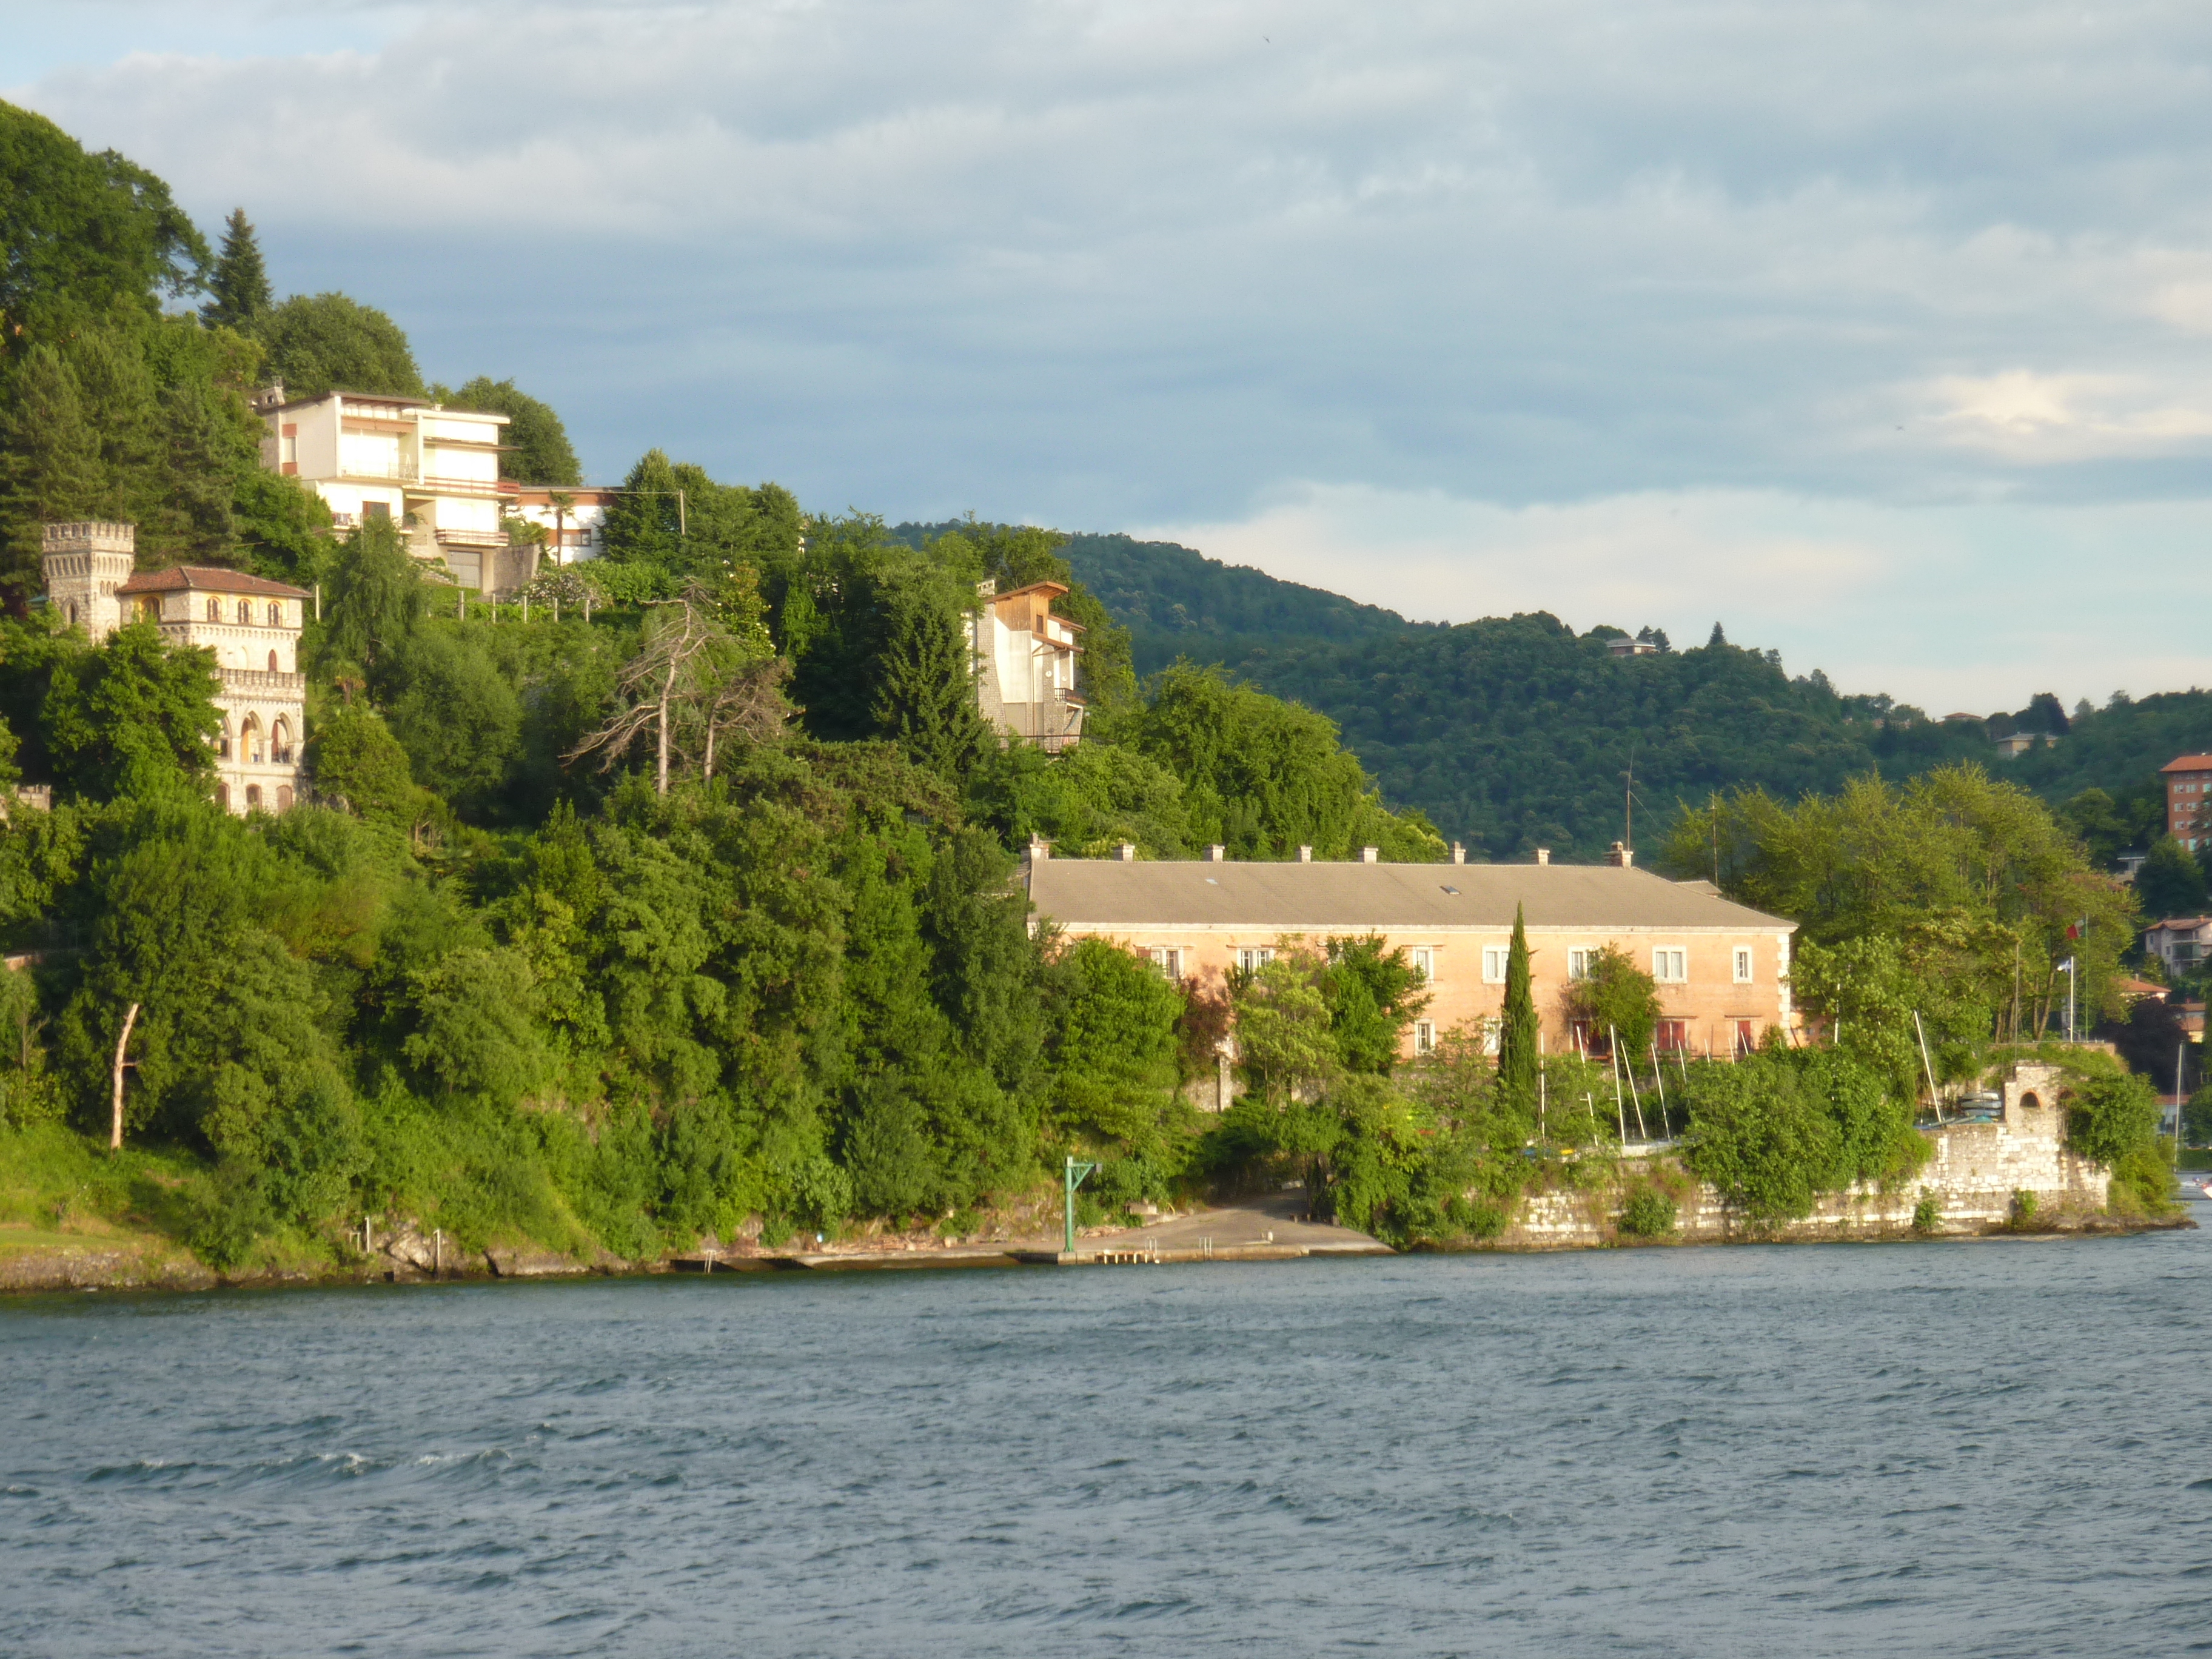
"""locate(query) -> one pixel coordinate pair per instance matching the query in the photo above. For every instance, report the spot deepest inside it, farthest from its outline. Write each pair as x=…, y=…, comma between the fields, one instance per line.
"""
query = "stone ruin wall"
x=1975, y=1171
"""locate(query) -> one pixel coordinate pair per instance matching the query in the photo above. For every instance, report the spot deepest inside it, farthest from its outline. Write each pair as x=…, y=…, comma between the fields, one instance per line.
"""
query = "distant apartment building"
x=1721, y=969
x=2182, y=943
x=430, y=470
x=1025, y=659
x=249, y=625
x=575, y=520
x=2189, y=800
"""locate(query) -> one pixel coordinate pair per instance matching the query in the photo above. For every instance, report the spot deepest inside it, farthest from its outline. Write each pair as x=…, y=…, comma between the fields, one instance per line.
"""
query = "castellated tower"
x=85, y=562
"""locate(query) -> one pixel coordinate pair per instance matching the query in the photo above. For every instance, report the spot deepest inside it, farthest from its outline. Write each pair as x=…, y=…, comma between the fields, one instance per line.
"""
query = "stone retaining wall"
x=1976, y=1171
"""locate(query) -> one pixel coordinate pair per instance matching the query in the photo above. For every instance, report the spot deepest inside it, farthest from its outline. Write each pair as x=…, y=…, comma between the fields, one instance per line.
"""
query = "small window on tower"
x=275, y=614
x=215, y=610
x=246, y=612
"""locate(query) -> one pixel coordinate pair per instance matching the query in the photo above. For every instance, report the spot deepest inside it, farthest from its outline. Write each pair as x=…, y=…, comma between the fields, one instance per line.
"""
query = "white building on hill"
x=432, y=470
x=251, y=625
x=1024, y=659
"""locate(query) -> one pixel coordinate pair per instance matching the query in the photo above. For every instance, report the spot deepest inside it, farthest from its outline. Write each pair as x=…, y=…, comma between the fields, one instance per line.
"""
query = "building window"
x=215, y=610
x=1743, y=964
x=246, y=613
x=1424, y=1036
x=283, y=797
x=1424, y=964
x=1493, y=963
x=276, y=614
x=1673, y=1036
x=1578, y=963
x=1746, y=1037
x=1251, y=959
x=272, y=662
x=1670, y=967
x=1167, y=960
x=1491, y=1029
x=253, y=797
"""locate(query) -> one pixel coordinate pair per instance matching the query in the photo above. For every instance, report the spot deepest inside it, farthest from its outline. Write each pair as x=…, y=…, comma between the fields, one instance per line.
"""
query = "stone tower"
x=85, y=562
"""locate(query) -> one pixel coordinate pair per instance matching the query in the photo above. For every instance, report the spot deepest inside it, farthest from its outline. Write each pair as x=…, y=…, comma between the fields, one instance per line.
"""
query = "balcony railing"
x=401, y=470
x=262, y=680
x=440, y=484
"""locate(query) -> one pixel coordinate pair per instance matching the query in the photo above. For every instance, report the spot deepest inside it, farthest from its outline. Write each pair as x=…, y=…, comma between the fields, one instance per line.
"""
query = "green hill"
x=1515, y=733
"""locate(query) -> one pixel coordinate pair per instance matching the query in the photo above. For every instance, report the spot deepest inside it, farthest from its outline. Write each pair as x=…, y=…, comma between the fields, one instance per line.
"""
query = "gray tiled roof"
x=1343, y=898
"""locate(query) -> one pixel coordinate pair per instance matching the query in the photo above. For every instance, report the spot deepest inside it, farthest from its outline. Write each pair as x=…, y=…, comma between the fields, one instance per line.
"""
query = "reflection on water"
x=1966, y=1448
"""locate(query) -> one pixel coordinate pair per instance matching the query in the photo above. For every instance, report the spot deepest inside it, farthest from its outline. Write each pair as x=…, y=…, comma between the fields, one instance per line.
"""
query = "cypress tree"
x=240, y=282
x=1517, y=1059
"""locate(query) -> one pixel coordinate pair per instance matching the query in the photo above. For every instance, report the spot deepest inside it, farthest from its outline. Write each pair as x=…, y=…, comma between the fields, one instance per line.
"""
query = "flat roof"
x=1356, y=898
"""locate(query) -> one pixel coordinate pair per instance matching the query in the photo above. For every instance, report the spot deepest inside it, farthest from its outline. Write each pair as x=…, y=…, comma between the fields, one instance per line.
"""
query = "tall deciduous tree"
x=376, y=599
x=135, y=717
x=1517, y=1032
x=237, y=288
x=329, y=342
x=80, y=234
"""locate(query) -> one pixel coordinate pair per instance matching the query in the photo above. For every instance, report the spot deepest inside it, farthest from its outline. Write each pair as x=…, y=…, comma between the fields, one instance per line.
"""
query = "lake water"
x=2001, y=1448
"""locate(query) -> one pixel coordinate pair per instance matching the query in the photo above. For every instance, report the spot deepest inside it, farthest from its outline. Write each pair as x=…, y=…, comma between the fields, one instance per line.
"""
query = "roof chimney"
x=1458, y=853
x=1039, y=848
x=1129, y=852
x=1213, y=854
x=1367, y=855
x=1619, y=857
x=1305, y=855
x=1543, y=855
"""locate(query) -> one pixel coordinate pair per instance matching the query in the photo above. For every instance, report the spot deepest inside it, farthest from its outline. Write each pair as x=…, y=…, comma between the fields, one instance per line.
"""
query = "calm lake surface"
x=2001, y=1448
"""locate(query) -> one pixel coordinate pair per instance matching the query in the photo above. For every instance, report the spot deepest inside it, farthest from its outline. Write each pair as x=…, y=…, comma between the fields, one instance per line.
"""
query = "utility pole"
x=2072, y=976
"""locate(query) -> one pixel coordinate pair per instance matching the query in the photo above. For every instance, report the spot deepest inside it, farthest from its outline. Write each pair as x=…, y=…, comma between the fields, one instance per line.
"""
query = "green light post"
x=1074, y=1177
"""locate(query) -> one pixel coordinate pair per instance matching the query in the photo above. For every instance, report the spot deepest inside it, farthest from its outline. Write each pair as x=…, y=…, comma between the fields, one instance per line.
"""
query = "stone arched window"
x=280, y=742
x=253, y=797
x=275, y=614
x=272, y=662
x=283, y=797
x=222, y=739
x=222, y=796
x=215, y=610
x=250, y=738
x=246, y=612
x=72, y=613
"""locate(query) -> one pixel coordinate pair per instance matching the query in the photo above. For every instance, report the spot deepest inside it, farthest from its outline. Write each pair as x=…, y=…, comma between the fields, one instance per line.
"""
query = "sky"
x=1879, y=333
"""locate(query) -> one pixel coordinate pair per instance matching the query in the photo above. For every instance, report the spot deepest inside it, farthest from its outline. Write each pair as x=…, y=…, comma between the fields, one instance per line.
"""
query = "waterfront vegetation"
x=681, y=902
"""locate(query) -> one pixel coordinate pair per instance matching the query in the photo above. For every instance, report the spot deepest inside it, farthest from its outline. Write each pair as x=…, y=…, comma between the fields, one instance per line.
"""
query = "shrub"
x=2023, y=1208
x=1649, y=1213
x=1759, y=1136
x=1927, y=1214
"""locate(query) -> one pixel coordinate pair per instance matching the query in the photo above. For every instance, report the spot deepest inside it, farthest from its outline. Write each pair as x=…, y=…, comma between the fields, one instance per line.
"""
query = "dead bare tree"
x=115, y=1132
x=679, y=633
x=745, y=698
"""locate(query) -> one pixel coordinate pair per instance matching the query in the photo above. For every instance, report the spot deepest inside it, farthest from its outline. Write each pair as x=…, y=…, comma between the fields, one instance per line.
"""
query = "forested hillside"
x=1513, y=733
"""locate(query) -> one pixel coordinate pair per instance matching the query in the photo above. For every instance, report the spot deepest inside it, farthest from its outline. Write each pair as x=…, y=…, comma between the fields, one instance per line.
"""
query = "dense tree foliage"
x=321, y=342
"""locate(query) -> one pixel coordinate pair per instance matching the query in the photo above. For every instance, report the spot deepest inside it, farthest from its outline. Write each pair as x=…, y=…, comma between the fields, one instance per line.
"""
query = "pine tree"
x=925, y=699
x=1517, y=1059
x=240, y=283
x=50, y=457
x=1718, y=638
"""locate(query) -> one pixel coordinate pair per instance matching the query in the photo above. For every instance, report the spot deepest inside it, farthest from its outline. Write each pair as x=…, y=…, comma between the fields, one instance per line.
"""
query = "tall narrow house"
x=1025, y=664
x=251, y=625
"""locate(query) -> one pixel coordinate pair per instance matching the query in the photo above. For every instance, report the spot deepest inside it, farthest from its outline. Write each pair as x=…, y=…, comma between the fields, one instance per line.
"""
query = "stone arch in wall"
x=283, y=797
x=272, y=662
x=253, y=798
x=223, y=741
x=2031, y=1102
x=280, y=741
x=222, y=796
x=249, y=739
